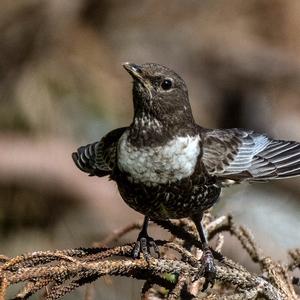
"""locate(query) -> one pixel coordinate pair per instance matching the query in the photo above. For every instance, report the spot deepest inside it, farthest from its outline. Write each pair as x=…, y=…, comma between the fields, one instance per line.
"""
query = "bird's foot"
x=208, y=268
x=143, y=245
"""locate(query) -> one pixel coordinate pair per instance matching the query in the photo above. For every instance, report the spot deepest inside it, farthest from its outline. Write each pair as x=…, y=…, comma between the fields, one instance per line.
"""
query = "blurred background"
x=62, y=85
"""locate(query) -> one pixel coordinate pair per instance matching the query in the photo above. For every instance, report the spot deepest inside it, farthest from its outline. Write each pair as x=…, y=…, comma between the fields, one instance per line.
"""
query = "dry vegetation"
x=175, y=275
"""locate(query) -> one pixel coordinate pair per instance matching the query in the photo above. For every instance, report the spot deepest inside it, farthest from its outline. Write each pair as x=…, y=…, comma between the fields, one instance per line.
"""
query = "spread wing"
x=239, y=155
x=99, y=158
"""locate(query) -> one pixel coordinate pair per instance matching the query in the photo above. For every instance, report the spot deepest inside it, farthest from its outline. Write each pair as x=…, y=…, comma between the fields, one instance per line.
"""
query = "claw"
x=143, y=245
x=153, y=245
x=208, y=269
x=136, y=250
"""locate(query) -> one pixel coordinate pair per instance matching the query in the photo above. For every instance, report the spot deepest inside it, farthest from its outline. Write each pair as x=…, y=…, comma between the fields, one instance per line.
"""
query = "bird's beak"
x=136, y=73
x=134, y=70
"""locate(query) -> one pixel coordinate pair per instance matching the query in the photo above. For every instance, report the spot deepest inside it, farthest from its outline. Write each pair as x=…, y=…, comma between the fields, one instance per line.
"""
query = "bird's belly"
x=173, y=200
x=171, y=162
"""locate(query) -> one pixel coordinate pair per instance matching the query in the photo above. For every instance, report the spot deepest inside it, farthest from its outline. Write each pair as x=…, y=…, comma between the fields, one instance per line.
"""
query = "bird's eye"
x=166, y=84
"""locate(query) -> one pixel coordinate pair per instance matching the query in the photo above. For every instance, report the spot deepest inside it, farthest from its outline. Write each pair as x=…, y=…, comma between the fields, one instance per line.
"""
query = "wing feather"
x=99, y=158
x=245, y=155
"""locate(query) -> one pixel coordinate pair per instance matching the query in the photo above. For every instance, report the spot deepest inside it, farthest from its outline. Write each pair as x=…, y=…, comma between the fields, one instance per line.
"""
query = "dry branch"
x=175, y=276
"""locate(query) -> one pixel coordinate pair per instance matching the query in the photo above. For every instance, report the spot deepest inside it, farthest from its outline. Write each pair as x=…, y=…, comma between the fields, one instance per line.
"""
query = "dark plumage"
x=167, y=166
x=99, y=158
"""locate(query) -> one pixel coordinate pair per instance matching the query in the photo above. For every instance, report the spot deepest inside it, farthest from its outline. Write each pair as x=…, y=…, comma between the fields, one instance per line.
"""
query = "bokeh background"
x=62, y=85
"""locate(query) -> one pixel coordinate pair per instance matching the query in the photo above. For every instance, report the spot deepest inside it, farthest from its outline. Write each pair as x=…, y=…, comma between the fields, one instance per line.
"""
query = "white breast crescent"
x=161, y=164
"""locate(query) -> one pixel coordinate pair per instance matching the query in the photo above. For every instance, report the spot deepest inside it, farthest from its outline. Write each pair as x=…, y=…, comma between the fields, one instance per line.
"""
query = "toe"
x=144, y=247
x=209, y=279
x=153, y=245
x=136, y=250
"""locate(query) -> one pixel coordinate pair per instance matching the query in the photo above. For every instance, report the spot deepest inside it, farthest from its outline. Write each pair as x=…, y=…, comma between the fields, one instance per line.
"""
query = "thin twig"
x=62, y=271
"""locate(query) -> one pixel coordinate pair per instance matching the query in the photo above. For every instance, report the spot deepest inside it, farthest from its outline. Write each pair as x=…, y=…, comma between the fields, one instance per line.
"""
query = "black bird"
x=167, y=166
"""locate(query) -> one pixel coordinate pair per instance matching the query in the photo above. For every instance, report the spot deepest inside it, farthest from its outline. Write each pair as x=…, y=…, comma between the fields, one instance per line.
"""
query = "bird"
x=166, y=166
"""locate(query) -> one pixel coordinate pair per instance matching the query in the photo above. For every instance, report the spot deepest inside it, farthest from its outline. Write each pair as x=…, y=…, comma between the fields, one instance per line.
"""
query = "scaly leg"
x=208, y=269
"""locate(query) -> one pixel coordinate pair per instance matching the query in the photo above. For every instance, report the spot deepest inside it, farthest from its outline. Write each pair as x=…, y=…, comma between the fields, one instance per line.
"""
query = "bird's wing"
x=239, y=155
x=99, y=158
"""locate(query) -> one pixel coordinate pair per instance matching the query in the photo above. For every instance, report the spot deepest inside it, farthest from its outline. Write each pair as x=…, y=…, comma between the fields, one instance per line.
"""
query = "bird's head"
x=159, y=92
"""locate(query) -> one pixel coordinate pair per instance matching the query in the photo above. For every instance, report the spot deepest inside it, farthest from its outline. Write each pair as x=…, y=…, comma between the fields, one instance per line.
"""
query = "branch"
x=172, y=275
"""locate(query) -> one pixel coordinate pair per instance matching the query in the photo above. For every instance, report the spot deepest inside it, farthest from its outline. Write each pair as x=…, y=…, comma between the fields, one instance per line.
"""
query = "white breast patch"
x=161, y=164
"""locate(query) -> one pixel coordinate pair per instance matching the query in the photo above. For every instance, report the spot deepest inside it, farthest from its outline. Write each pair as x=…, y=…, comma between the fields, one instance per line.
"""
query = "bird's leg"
x=208, y=269
x=144, y=242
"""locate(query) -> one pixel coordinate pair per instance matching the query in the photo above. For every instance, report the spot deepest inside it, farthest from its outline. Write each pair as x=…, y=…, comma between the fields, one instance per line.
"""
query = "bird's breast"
x=172, y=161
